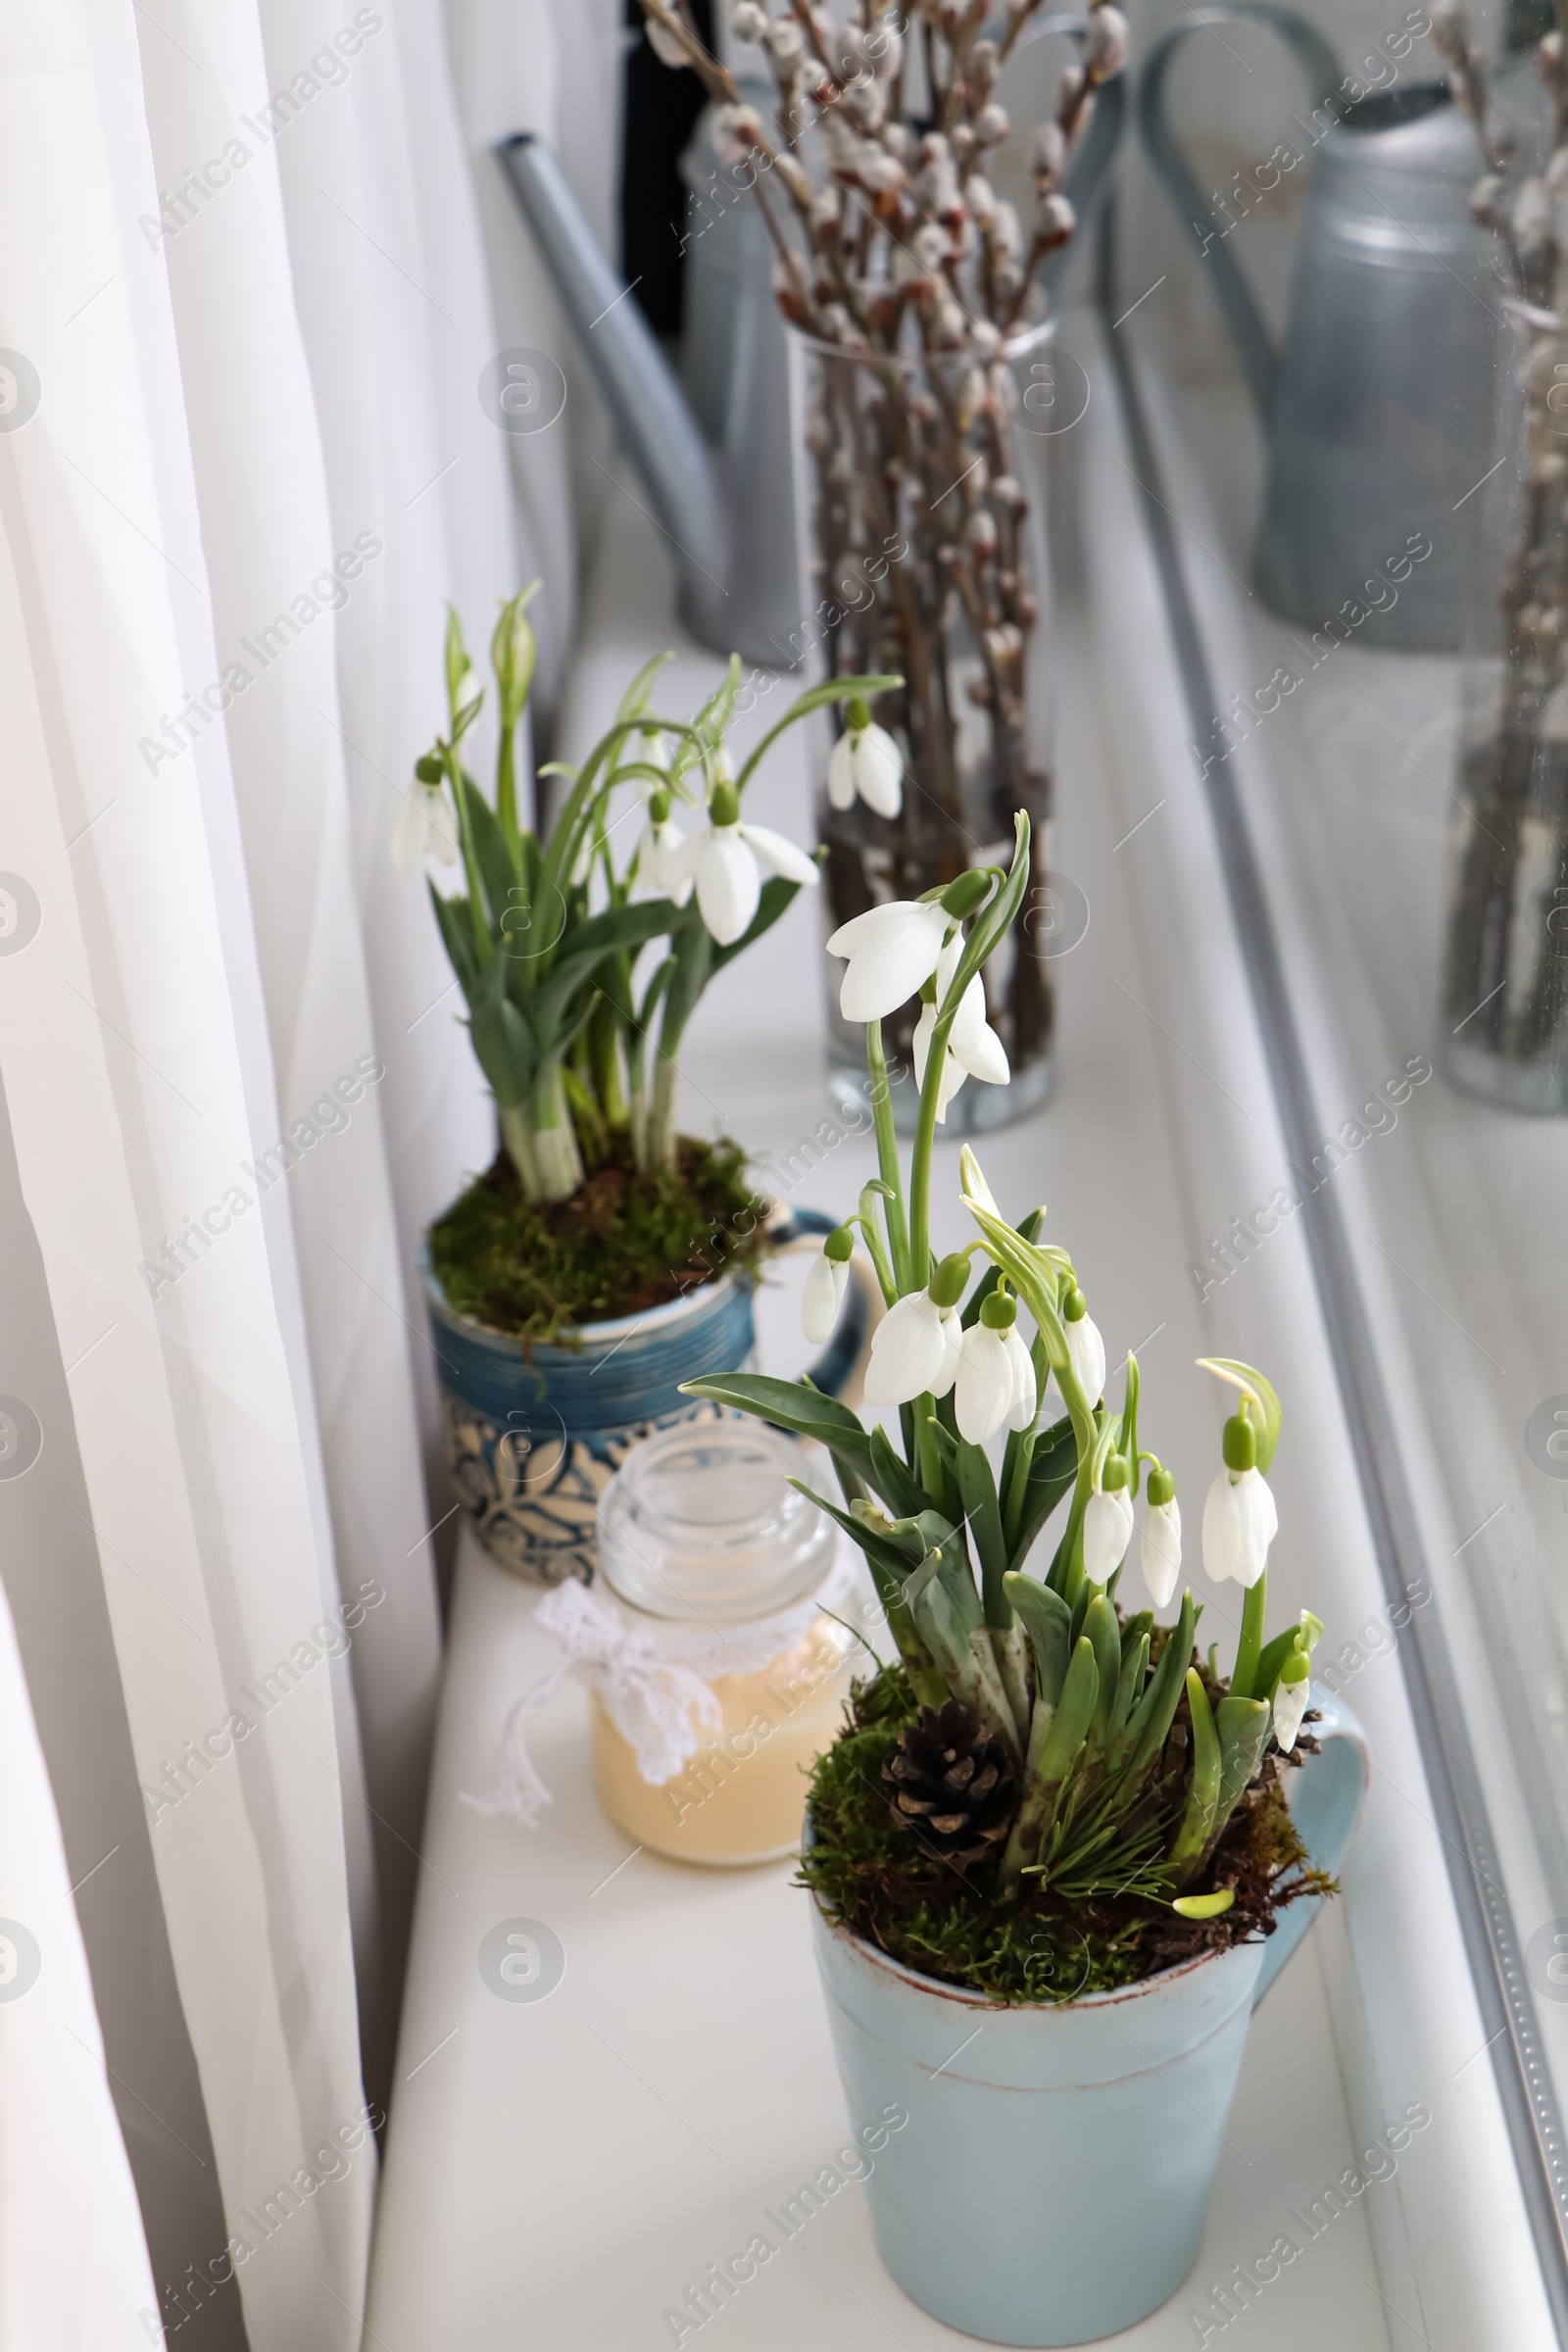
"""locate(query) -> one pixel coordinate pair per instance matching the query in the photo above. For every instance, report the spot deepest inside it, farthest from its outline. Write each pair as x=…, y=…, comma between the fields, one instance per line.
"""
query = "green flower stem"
x=1250, y=1648
x=926, y=1460
x=925, y=1134
x=887, y=1281
x=516, y=1133
x=483, y=945
x=887, y=1157
x=555, y=1138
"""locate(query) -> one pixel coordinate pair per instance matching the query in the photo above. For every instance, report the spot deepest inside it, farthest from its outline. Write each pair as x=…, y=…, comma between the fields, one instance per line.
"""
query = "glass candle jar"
x=724, y=1568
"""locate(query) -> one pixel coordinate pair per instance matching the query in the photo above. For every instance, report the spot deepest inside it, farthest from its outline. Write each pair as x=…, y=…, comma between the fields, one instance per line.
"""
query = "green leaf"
x=1192, y=1838
x=504, y=1050
x=584, y=949
x=1102, y=1630
x=977, y=1494
x=1268, y=1416
x=1130, y=1683
x=457, y=937
x=1075, y=1712
x=635, y=699
x=1153, y=1714
x=496, y=869
x=1048, y=1621
x=1241, y=1724
x=1205, y=1906
x=791, y=1405
x=897, y=1485
x=1052, y=1469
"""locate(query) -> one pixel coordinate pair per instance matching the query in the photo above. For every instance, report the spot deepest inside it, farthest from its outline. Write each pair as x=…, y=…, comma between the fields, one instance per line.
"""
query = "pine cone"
x=952, y=1787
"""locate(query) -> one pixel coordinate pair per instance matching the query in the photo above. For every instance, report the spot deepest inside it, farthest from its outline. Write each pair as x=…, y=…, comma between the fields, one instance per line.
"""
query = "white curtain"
x=243, y=314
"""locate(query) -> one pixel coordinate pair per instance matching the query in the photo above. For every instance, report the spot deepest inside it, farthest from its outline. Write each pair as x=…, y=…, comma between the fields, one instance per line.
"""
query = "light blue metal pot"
x=533, y=1439
x=1052, y=2182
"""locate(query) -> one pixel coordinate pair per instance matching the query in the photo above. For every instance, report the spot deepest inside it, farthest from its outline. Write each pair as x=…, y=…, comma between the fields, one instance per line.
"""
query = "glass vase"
x=1505, y=948
x=922, y=514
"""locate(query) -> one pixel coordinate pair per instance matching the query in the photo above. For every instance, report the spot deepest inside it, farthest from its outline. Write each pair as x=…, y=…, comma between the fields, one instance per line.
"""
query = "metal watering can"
x=1378, y=410
x=724, y=499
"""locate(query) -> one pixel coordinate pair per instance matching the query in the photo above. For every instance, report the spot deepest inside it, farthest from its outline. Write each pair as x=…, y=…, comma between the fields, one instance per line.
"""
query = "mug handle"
x=1326, y=1796
x=840, y=1370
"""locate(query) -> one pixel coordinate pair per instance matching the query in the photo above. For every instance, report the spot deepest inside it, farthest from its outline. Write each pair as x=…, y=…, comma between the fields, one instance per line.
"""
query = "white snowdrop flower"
x=726, y=861
x=987, y=1385
x=1025, y=1389
x=1289, y=1701
x=656, y=845
x=825, y=1286
x=1240, y=1519
x=1107, y=1532
x=423, y=827
x=865, y=762
x=1086, y=1350
x=1160, y=1552
x=893, y=952
x=974, y=1049
x=916, y=1349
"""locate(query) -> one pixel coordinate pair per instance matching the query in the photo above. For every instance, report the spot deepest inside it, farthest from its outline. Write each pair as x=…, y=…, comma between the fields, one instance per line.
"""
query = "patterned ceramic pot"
x=1052, y=2184
x=533, y=1442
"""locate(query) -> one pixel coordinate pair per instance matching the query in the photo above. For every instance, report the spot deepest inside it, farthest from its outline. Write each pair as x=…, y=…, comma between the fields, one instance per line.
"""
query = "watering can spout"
x=649, y=411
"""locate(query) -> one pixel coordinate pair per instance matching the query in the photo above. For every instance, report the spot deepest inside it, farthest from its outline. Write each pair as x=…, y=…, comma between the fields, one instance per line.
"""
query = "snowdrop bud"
x=1160, y=1554
x=1290, y=1698
x=950, y=1281
x=825, y=1286
x=1086, y=1350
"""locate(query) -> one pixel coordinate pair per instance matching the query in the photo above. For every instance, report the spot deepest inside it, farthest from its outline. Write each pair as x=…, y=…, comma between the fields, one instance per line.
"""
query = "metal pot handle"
x=840, y=1370
x=1326, y=1797
x=1260, y=362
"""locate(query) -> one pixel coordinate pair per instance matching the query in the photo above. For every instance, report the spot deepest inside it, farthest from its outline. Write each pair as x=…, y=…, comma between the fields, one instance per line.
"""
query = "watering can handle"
x=1325, y=1796
x=1259, y=360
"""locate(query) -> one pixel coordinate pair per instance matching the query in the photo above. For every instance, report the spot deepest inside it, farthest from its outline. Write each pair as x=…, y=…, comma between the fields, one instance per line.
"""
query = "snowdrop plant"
x=577, y=1030
x=998, y=1568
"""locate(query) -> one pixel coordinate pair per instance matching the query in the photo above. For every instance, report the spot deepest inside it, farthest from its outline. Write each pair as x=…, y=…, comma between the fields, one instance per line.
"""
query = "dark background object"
x=662, y=104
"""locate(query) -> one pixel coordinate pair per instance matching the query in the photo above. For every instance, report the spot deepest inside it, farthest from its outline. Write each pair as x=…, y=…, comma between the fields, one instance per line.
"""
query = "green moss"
x=623, y=1243
x=1035, y=1946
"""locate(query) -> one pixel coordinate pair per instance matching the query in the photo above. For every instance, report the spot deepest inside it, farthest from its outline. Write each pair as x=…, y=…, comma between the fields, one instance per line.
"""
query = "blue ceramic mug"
x=532, y=1440
x=1051, y=2181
